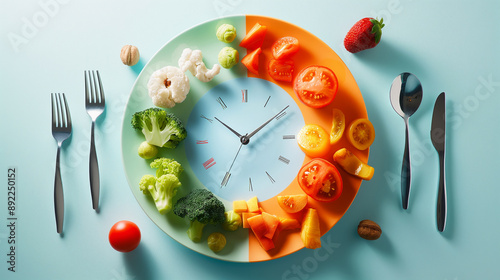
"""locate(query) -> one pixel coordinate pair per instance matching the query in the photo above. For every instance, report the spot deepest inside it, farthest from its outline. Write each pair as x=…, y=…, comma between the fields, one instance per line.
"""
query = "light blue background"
x=451, y=46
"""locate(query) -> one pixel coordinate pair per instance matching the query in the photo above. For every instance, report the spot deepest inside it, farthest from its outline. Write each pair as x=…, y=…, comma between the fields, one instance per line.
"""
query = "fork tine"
x=53, y=111
x=101, y=91
x=93, y=88
x=60, y=118
x=68, y=115
x=87, y=98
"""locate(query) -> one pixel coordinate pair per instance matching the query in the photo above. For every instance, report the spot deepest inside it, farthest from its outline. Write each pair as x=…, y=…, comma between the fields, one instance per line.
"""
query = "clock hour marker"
x=244, y=95
x=221, y=102
x=270, y=178
x=284, y=159
x=267, y=101
x=202, y=142
x=281, y=115
x=250, y=187
x=225, y=180
x=203, y=117
x=209, y=163
x=286, y=137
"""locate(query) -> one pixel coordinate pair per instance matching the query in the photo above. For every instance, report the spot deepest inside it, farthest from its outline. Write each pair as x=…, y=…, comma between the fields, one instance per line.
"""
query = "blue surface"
x=450, y=46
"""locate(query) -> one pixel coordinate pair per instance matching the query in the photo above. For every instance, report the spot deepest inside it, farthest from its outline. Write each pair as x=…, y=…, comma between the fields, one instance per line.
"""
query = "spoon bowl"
x=406, y=95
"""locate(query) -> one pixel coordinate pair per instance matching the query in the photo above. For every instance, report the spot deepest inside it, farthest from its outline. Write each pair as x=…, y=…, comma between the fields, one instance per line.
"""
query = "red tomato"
x=281, y=70
x=285, y=47
x=254, y=37
x=320, y=180
x=251, y=61
x=316, y=86
x=124, y=236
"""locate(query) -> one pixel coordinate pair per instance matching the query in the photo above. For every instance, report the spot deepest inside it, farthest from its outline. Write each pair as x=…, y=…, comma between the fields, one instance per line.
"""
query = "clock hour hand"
x=264, y=124
x=228, y=173
x=232, y=130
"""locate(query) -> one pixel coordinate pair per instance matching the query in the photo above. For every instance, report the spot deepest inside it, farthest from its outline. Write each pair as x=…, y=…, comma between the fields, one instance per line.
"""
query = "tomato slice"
x=321, y=180
x=281, y=70
x=254, y=37
x=316, y=86
x=313, y=140
x=361, y=134
x=251, y=61
x=338, y=126
x=285, y=47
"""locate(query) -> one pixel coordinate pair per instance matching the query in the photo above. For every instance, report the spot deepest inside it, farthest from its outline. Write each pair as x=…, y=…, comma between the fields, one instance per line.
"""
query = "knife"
x=438, y=138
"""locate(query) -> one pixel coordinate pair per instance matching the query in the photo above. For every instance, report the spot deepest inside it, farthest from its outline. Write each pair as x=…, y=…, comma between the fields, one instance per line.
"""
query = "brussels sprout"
x=232, y=222
x=226, y=33
x=216, y=241
x=228, y=57
x=147, y=151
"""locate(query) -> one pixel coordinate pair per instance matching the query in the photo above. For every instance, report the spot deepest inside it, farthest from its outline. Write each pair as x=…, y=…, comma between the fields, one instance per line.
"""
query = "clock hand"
x=262, y=126
x=228, y=173
x=232, y=130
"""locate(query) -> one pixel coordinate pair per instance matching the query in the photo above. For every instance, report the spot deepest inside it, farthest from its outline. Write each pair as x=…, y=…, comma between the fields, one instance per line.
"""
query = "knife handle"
x=93, y=172
x=441, y=200
x=406, y=170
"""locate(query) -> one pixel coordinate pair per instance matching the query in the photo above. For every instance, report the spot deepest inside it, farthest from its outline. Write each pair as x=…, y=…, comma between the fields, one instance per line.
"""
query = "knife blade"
x=438, y=138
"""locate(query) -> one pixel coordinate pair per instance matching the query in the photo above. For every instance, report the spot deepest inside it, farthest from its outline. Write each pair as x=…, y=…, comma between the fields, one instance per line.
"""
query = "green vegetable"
x=233, y=221
x=164, y=186
x=201, y=207
x=161, y=128
x=216, y=241
x=226, y=33
x=147, y=151
x=228, y=57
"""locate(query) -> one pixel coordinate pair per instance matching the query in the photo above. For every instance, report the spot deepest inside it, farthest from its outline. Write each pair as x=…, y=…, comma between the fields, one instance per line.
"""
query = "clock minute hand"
x=264, y=124
x=228, y=173
x=232, y=130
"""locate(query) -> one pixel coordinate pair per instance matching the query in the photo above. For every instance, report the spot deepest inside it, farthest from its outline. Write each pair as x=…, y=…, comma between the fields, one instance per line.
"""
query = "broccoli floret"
x=161, y=128
x=164, y=186
x=166, y=166
x=201, y=207
x=233, y=221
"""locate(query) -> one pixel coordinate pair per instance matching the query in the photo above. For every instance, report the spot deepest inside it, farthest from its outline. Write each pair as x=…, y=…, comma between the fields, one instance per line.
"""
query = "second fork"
x=94, y=104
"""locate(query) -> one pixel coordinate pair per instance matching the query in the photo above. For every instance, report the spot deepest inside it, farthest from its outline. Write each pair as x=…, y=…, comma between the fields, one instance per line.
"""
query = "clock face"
x=270, y=160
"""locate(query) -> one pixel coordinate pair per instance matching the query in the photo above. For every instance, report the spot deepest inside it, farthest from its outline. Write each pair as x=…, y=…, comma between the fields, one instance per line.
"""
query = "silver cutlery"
x=438, y=138
x=61, y=130
x=94, y=104
x=406, y=96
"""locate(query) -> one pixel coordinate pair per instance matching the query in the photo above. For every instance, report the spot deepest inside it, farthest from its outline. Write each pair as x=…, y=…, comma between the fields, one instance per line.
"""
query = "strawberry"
x=365, y=34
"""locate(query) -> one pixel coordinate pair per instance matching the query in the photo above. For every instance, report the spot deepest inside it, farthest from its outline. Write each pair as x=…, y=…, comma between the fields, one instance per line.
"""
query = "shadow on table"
x=138, y=263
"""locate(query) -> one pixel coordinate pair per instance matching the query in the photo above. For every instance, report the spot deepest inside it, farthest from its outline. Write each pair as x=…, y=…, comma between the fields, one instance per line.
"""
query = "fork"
x=94, y=104
x=61, y=130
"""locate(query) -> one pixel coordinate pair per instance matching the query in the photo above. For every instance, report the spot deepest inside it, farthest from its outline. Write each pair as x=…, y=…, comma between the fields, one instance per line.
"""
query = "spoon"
x=406, y=96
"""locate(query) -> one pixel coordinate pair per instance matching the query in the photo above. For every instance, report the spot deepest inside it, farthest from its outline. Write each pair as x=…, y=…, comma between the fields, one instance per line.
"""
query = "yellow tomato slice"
x=361, y=134
x=338, y=126
x=313, y=140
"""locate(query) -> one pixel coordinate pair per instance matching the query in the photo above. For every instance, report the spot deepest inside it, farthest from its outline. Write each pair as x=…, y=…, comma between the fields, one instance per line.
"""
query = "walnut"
x=369, y=230
x=129, y=55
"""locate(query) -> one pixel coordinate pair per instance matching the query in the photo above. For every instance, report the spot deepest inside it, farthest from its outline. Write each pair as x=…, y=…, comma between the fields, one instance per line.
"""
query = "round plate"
x=242, y=246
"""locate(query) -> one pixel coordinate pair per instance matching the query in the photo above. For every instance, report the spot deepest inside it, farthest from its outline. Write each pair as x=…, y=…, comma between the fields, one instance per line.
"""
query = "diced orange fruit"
x=245, y=216
x=253, y=205
x=240, y=206
x=292, y=203
x=310, y=232
x=259, y=228
x=272, y=223
x=255, y=37
x=251, y=61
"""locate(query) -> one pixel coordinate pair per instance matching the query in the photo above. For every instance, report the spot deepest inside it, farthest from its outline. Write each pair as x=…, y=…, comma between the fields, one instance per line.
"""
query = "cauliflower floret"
x=192, y=60
x=168, y=86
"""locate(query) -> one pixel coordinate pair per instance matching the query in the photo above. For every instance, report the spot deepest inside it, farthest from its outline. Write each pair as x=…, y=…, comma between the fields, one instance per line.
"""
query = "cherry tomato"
x=321, y=180
x=338, y=126
x=281, y=70
x=313, y=140
x=124, y=236
x=316, y=86
x=285, y=47
x=361, y=134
